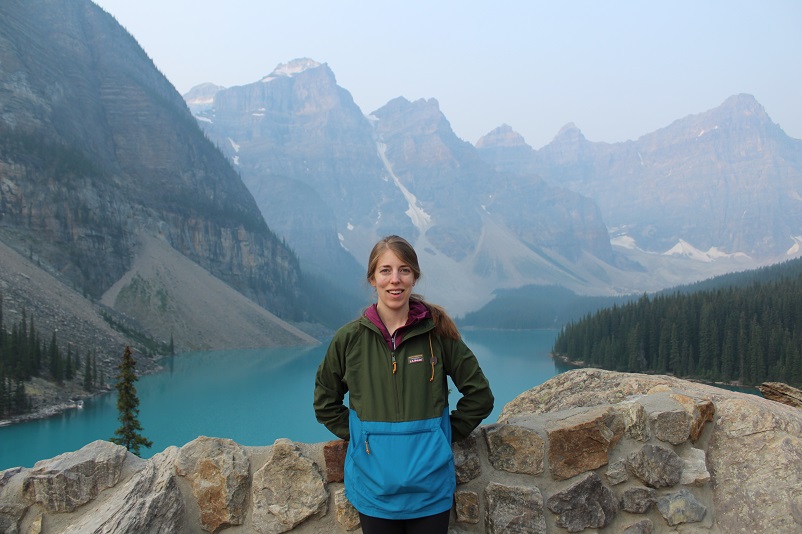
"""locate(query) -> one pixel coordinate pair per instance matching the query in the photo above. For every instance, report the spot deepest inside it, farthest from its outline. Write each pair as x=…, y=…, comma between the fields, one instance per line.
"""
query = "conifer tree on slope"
x=128, y=434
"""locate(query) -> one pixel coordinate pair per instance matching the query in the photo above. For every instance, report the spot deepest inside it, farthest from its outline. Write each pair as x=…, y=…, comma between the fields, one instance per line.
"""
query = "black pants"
x=431, y=524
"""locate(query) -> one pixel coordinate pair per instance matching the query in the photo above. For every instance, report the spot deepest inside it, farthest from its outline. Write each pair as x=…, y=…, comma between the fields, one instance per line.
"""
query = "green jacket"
x=359, y=362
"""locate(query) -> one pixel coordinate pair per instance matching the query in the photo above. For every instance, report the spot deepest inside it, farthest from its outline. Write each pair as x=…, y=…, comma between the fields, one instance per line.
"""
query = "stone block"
x=582, y=442
x=515, y=449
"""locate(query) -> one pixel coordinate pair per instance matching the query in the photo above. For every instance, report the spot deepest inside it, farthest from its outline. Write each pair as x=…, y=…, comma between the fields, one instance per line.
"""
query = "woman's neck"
x=393, y=319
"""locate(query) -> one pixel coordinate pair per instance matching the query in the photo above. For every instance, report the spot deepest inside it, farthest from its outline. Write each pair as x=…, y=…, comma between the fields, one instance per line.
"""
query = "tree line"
x=747, y=332
x=25, y=353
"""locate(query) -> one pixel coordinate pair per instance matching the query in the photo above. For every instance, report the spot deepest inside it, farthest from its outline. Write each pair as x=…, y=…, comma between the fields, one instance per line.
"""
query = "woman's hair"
x=443, y=324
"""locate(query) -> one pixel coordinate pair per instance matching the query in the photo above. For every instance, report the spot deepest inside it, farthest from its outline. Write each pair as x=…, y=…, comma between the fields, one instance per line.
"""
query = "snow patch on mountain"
x=288, y=70
x=796, y=248
x=416, y=213
x=703, y=131
x=683, y=248
x=624, y=241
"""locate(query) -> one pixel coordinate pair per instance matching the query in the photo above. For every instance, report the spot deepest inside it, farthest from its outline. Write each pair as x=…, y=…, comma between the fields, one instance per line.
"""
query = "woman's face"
x=393, y=280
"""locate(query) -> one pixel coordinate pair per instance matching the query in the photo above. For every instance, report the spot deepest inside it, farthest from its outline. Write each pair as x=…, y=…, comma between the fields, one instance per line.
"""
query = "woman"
x=393, y=362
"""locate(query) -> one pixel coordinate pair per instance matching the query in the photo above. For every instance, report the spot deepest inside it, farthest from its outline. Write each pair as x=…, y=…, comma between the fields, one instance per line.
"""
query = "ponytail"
x=444, y=325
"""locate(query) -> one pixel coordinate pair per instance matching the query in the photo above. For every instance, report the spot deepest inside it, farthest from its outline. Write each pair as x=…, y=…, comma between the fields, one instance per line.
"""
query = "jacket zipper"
x=395, y=383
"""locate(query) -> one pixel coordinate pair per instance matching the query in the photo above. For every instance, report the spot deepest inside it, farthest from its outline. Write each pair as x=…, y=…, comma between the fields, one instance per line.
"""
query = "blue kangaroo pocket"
x=403, y=458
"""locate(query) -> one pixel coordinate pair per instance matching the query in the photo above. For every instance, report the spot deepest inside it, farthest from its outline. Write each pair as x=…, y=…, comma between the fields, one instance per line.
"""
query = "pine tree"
x=128, y=434
x=87, y=373
x=68, y=364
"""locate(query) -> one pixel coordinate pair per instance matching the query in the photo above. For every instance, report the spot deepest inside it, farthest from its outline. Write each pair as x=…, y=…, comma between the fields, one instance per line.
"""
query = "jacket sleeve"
x=330, y=390
x=477, y=399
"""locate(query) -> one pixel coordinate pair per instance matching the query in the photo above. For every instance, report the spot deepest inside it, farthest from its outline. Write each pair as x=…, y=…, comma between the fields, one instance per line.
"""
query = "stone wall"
x=589, y=449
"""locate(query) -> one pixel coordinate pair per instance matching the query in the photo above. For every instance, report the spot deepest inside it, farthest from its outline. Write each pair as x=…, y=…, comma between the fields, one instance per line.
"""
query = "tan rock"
x=694, y=470
x=755, y=455
x=700, y=410
x=347, y=516
x=636, y=422
x=466, y=506
x=582, y=442
x=218, y=470
x=287, y=490
x=783, y=393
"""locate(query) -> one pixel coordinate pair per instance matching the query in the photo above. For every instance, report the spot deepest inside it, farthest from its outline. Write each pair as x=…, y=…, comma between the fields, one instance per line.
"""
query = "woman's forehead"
x=388, y=257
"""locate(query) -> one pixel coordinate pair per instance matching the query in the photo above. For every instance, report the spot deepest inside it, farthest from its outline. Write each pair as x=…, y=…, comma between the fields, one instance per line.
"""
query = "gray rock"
x=149, y=501
x=672, y=426
x=586, y=504
x=641, y=527
x=617, y=472
x=466, y=458
x=72, y=479
x=681, y=507
x=12, y=504
x=656, y=466
x=514, y=510
x=515, y=449
x=638, y=500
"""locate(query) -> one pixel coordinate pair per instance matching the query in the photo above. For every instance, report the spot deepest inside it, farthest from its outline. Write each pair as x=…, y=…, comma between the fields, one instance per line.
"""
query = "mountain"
x=724, y=182
x=104, y=170
x=331, y=180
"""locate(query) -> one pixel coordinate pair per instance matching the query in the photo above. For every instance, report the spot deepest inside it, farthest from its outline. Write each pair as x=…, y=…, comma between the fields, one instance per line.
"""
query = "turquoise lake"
x=253, y=397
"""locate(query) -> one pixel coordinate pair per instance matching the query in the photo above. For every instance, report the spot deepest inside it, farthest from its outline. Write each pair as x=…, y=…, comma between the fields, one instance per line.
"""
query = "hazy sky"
x=616, y=69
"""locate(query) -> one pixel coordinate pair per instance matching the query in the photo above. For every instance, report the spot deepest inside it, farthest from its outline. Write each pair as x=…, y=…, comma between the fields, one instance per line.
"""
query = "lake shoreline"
x=580, y=364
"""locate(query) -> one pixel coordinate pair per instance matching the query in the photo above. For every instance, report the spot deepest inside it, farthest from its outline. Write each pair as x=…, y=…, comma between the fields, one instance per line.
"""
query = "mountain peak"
x=503, y=136
x=743, y=101
x=569, y=133
x=292, y=68
x=202, y=94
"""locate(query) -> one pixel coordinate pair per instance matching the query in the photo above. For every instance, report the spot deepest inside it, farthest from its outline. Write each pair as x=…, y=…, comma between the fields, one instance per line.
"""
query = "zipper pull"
x=395, y=364
x=367, y=447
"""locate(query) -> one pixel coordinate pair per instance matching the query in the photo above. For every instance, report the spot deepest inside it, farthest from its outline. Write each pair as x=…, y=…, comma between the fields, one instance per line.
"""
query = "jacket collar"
x=418, y=312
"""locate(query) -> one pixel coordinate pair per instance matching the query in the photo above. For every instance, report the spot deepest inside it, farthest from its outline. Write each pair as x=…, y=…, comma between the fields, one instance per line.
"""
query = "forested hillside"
x=744, y=328
x=25, y=352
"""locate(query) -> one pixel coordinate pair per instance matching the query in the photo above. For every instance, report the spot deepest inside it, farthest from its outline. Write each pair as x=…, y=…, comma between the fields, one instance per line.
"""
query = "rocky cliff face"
x=332, y=181
x=587, y=450
x=728, y=178
x=97, y=150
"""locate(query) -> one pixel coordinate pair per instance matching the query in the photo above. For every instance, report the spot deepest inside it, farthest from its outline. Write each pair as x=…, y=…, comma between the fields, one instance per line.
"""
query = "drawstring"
x=433, y=359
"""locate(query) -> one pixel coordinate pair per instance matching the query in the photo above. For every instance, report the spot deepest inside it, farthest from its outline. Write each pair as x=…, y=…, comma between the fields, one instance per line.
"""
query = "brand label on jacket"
x=415, y=359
